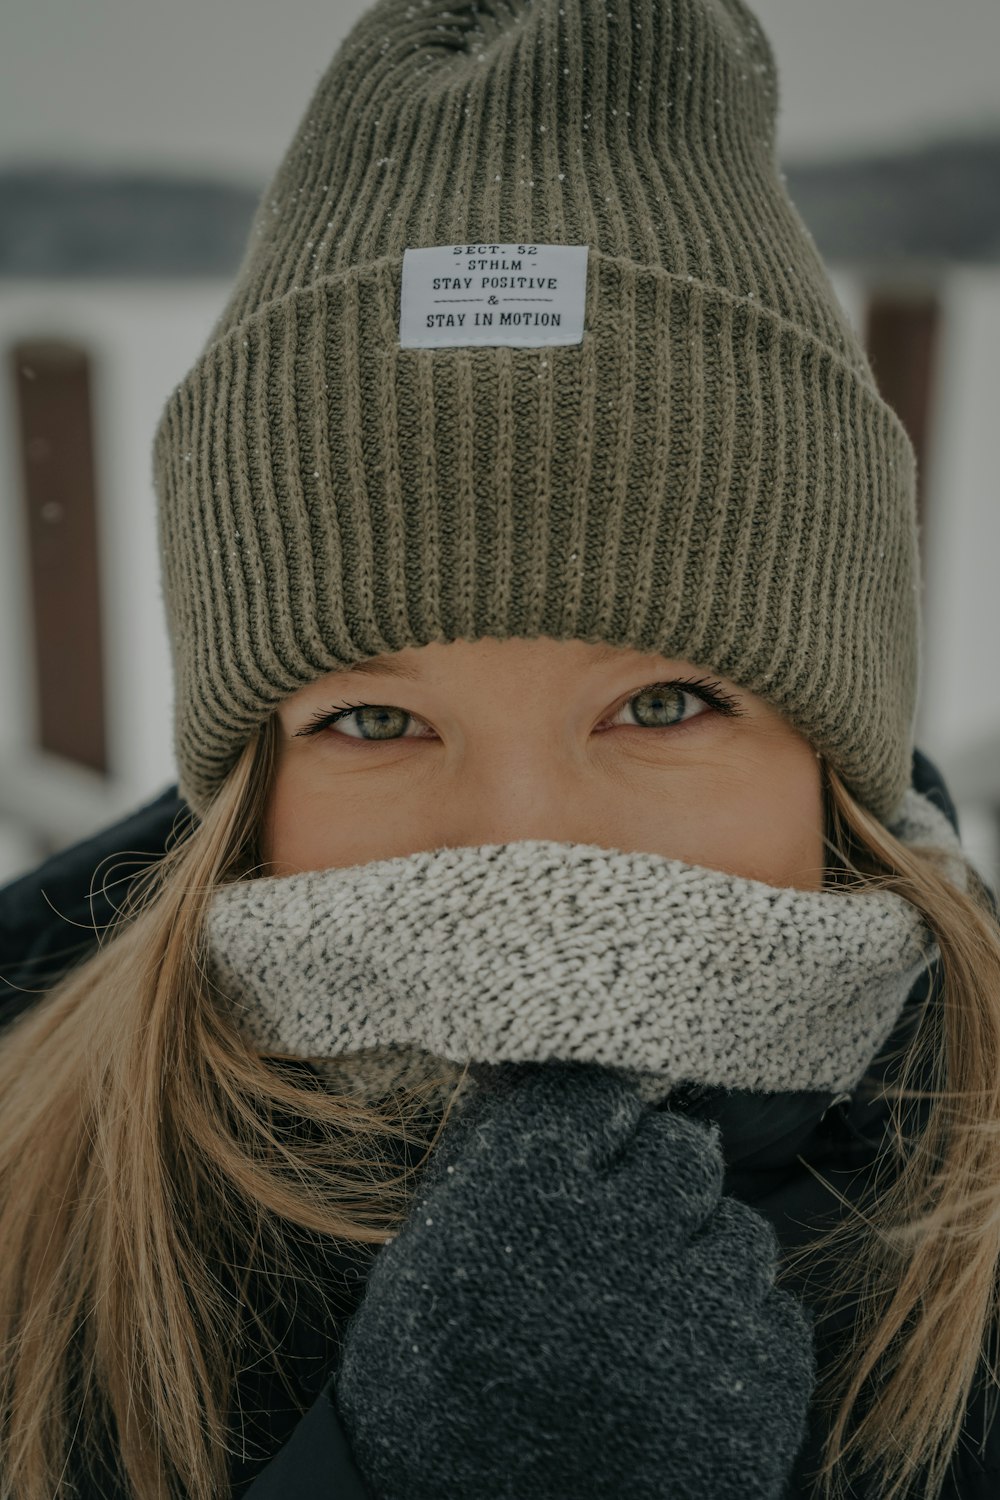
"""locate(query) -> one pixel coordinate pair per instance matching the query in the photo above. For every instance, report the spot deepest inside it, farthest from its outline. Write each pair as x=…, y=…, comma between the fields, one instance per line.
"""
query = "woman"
x=570, y=961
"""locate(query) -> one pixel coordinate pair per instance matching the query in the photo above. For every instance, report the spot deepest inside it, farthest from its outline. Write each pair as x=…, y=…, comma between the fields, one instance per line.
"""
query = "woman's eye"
x=374, y=721
x=671, y=706
x=661, y=706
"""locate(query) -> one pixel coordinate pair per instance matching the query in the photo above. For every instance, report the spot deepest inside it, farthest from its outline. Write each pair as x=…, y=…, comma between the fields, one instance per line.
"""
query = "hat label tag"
x=492, y=294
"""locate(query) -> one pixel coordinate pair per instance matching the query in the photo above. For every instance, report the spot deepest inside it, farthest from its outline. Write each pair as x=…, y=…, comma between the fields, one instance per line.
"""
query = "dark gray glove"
x=573, y=1309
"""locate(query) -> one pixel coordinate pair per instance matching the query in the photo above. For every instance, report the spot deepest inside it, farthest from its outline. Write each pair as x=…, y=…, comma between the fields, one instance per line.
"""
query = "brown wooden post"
x=52, y=385
x=901, y=340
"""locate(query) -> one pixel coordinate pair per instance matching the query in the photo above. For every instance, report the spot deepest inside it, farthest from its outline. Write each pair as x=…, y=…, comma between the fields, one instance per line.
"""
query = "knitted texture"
x=536, y=950
x=573, y=1310
x=704, y=469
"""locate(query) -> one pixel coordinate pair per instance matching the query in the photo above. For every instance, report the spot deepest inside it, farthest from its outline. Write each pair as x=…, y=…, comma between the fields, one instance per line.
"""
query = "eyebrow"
x=374, y=666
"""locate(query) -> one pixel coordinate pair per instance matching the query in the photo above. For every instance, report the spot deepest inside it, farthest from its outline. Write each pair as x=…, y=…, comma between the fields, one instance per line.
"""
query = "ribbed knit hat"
x=530, y=340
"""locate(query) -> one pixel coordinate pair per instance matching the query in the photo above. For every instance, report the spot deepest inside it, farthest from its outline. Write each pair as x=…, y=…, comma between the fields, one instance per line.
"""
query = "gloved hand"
x=573, y=1309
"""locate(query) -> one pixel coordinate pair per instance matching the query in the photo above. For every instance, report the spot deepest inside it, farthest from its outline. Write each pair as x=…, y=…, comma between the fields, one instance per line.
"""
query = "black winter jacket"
x=47, y=924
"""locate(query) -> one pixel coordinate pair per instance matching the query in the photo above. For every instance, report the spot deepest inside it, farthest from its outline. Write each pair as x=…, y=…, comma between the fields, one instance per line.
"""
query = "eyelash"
x=704, y=688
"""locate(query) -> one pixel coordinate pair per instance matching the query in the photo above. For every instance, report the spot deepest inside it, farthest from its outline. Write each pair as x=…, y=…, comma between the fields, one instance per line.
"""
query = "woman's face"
x=489, y=741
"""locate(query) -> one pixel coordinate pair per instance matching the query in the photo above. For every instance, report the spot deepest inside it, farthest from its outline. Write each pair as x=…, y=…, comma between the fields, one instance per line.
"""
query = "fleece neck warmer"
x=671, y=972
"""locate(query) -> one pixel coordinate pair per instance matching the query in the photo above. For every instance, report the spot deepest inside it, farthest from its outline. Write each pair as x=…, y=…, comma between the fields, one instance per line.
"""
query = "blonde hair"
x=142, y=1141
x=919, y=1255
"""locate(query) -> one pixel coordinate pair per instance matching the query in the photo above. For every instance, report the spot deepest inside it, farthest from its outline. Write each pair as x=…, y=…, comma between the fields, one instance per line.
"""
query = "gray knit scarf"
x=668, y=971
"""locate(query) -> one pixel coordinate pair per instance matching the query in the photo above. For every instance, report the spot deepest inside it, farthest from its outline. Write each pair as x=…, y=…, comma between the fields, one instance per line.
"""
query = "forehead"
x=391, y=665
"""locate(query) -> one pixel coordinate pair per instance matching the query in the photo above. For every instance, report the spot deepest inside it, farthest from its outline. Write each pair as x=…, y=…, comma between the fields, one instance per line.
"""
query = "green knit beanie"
x=529, y=340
